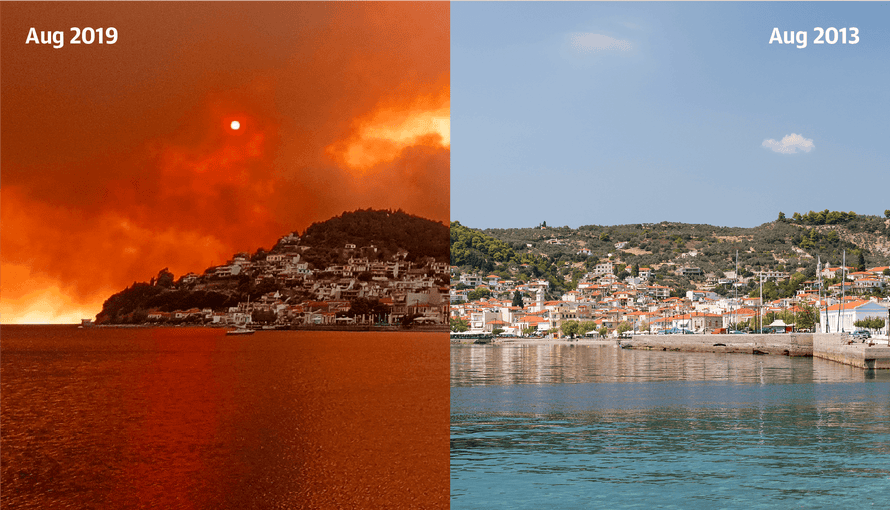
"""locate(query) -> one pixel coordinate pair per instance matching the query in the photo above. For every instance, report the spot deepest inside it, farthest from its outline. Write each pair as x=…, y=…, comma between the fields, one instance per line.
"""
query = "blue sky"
x=611, y=113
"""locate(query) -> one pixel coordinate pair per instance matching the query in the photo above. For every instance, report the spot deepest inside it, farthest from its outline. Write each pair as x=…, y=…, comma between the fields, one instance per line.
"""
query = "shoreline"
x=837, y=347
x=437, y=328
x=555, y=341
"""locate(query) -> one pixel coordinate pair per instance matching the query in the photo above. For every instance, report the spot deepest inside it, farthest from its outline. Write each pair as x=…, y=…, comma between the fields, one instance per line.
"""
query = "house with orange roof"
x=636, y=318
x=831, y=272
x=610, y=302
x=532, y=322
x=572, y=295
x=737, y=316
x=837, y=288
x=659, y=323
x=867, y=284
x=879, y=271
x=751, y=301
x=706, y=321
x=496, y=324
x=479, y=320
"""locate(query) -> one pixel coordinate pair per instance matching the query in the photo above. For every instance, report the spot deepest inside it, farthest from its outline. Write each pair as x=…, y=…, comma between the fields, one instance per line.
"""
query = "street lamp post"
x=843, y=293
x=761, y=300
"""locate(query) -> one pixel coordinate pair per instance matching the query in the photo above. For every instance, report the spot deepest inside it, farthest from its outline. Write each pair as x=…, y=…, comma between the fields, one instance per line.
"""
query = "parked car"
x=861, y=334
x=676, y=331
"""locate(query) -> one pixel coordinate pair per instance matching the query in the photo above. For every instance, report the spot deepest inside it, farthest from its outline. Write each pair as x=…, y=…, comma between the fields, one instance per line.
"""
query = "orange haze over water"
x=120, y=160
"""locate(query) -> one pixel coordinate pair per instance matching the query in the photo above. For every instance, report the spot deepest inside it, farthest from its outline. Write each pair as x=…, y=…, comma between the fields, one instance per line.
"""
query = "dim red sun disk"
x=235, y=125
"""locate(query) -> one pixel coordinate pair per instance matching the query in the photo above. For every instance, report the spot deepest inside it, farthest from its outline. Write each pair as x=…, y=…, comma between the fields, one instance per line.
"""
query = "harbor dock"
x=838, y=347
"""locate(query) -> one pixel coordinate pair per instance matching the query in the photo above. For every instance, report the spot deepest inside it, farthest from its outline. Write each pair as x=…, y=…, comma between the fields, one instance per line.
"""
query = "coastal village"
x=364, y=291
x=603, y=305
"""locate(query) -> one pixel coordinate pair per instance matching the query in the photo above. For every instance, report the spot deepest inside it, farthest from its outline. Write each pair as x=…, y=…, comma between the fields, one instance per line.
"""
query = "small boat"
x=242, y=330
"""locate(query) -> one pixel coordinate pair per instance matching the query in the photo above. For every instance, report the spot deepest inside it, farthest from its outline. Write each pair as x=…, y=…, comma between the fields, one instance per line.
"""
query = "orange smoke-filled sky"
x=119, y=160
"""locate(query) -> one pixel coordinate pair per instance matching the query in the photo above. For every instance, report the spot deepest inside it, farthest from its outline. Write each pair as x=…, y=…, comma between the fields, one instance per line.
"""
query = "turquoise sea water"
x=600, y=427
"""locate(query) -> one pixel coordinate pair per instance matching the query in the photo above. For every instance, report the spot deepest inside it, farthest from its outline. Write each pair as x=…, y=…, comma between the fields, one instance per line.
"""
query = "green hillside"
x=786, y=244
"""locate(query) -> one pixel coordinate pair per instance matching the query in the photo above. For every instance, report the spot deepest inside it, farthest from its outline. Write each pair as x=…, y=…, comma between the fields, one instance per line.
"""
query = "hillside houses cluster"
x=305, y=295
x=600, y=298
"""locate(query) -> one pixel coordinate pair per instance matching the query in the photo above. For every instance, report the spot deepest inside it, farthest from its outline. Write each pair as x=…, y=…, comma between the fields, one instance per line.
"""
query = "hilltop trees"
x=483, y=252
x=386, y=233
x=528, y=254
x=467, y=245
x=389, y=231
x=825, y=217
x=165, y=278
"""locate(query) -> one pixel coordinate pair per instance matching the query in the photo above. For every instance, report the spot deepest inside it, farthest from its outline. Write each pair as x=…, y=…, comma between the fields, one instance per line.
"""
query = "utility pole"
x=840, y=309
x=821, y=304
x=761, y=300
x=733, y=290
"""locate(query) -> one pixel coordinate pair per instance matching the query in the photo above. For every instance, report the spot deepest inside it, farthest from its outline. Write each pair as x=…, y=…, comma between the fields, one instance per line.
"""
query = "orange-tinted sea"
x=191, y=418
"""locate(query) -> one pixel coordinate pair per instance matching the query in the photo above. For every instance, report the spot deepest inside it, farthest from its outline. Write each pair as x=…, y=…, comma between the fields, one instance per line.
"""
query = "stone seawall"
x=840, y=347
x=788, y=344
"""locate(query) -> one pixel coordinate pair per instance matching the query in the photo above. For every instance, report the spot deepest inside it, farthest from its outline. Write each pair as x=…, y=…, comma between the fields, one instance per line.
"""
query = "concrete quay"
x=787, y=344
x=840, y=347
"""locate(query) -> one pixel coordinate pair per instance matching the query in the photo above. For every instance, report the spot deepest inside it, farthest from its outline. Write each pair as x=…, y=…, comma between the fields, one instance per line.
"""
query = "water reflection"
x=576, y=427
x=556, y=364
x=191, y=418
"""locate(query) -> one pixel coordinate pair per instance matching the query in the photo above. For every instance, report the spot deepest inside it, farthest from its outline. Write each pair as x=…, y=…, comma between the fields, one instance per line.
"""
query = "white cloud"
x=588, y=42
x=789, y=144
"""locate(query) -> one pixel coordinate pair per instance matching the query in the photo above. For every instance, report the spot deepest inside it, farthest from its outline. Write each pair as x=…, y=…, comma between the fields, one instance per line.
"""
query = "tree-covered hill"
x=389, y=231
x=483, y=252
x=787, y=244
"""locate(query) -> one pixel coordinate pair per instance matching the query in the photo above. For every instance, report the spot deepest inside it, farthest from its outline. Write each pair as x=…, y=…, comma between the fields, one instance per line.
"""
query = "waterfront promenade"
x=838, y=347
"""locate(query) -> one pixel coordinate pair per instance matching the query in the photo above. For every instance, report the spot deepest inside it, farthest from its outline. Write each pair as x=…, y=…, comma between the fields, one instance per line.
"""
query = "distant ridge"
x=388, y=230
x=292, y=266
x=561, y=254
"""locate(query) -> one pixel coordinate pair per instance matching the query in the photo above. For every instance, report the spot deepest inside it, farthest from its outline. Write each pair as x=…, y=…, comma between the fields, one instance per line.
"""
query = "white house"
x=842, y=316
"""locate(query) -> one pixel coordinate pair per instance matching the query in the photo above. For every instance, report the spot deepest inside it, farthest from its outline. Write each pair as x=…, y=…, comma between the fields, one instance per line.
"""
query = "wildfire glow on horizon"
x=218, y=149
x=386, y=132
